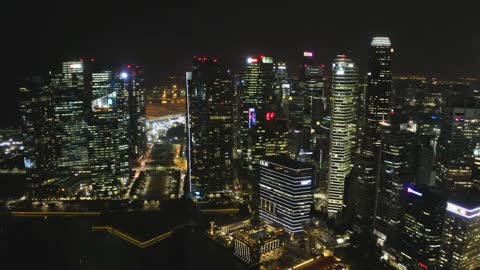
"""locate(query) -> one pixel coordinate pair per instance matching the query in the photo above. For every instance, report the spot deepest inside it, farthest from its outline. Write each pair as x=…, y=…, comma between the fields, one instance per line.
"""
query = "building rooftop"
x=467, y=199
x=289, y=163
x=380, y=41
x=253, y=237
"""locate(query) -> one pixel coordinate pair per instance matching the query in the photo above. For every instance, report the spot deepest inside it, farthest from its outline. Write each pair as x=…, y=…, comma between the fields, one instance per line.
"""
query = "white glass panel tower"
x=343, y=129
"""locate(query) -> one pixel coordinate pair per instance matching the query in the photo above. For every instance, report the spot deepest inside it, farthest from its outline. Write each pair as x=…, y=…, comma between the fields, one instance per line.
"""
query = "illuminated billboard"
x=252, y=117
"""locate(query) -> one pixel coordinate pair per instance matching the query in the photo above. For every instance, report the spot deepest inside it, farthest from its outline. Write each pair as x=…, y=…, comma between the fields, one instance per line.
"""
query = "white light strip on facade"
x=464, y=212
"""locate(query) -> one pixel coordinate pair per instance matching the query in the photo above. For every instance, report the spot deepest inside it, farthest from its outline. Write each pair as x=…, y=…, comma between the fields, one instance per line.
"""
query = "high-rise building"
x=108, y=132
x=36, y=110
x=343, y=129
x=78, y=129
x=281, y=84
x=293, y=103
x=459, y=137
x=376, y=108
x=300, y=141
x=210, y=113
x=276, y=136
x=286, y=194
x=460, y=247
x=397, y=171
x=422, y=229
x=70, y=126
x=312, y=85
x=257, y=93
x=132, y=76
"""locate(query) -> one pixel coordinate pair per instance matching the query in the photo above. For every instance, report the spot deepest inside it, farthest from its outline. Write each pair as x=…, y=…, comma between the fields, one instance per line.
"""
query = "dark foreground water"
x=69, y=243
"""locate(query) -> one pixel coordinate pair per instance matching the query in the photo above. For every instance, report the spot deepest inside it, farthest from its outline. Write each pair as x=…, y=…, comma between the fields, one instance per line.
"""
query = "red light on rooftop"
x=215, y=60
x=393, y=113
x=129, y=66
x=323, y=66
x=138, y=66
x=81, y=59
x=262, y=56
x=93, y=59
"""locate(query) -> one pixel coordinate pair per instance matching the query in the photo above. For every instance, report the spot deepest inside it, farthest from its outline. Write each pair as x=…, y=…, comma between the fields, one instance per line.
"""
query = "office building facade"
x=397, y=160
x=421, y=235
x=286, y=192
x=460, y=247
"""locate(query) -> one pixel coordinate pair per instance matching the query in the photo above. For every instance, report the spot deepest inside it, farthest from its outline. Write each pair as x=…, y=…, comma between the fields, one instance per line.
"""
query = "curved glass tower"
x=342, y=130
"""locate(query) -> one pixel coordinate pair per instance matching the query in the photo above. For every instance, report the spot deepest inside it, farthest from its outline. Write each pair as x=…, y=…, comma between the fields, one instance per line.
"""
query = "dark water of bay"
x=69, y=243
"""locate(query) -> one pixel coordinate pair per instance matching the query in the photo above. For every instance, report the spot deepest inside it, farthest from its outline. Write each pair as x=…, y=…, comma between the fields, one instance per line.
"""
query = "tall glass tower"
x=210, y=114
x=107, y=134
x=312, y=84
x=396, y=172
x=342, y=131
x=257, y=91
x=456, y=146
x=133, y=82
x=36, y=112
x=377, y=107
x=69, y=97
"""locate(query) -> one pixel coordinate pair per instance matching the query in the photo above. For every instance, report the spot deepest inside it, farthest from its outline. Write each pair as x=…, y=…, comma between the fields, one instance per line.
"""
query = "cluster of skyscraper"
x=403, y=167
x=391, y=163
x=83, y=126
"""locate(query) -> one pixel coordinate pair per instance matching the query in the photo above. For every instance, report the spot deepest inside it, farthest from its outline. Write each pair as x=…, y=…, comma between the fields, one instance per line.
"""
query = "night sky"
x=429, y=39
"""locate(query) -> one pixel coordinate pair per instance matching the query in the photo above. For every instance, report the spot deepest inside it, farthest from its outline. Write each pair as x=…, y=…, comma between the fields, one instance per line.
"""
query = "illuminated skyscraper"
x=459, y=137
x=377, y=107
x=286, y=192
x=79, y=131
x=422, y=229
x=36, y=110
x=70, y=127
x=343, y=129
x=108, y=132
x=397, y=171
x=210, y=115
x=312, y=85
x=293, y=103
x=257, y=92
x=276, y=138
x=132, y=77
x=460, y=247
x=281, y=84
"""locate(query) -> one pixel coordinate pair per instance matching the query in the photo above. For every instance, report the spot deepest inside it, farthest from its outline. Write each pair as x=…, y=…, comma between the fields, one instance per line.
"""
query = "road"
x=142, y=165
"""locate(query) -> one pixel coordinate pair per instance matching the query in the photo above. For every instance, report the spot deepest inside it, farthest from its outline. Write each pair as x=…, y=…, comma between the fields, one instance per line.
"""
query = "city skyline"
x=426, y=43
x=273, y=136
